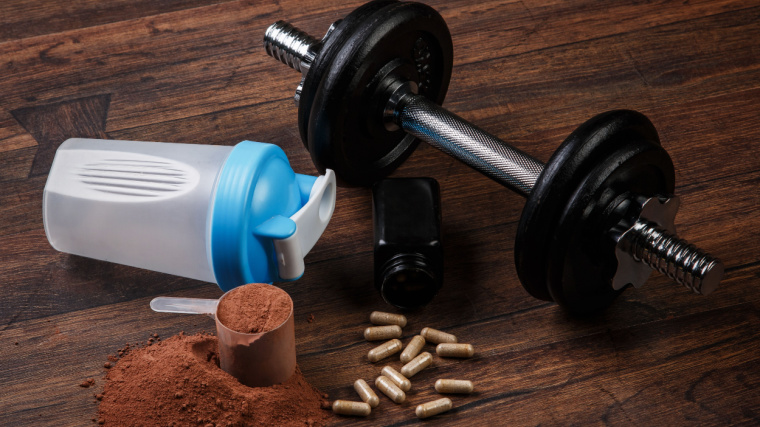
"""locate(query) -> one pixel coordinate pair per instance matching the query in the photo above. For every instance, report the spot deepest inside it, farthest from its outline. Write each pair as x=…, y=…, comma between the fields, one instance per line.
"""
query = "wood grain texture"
x=25, y=18
x=526, y=71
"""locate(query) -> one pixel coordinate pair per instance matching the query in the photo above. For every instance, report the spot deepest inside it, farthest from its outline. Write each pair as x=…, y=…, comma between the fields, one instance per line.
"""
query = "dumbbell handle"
x=477, y=148
x=426, y=120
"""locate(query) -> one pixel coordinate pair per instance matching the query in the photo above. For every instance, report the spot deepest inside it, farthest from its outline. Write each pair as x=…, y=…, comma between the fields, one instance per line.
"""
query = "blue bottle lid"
x=256, y=194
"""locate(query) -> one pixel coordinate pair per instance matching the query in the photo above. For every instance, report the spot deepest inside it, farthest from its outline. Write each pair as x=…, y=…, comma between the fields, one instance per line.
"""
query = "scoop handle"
x=184, y=305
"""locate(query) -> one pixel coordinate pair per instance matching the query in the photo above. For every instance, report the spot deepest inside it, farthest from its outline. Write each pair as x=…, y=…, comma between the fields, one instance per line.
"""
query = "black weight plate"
x=345, y=130
x=599, y=141
x=581, y=261
x=331, y=47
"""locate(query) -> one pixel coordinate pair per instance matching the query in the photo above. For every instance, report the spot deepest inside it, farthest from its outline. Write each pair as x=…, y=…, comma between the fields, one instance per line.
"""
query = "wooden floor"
x=529, y=71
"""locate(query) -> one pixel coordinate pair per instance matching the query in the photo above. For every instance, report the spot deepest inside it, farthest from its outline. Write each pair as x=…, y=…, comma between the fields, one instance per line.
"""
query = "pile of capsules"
x=393, y=383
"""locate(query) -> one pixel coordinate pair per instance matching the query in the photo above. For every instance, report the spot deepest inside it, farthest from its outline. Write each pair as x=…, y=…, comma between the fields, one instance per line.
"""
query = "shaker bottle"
x=221, y=214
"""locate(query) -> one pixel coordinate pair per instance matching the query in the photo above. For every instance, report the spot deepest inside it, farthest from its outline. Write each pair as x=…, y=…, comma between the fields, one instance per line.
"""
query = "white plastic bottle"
x=229, y=215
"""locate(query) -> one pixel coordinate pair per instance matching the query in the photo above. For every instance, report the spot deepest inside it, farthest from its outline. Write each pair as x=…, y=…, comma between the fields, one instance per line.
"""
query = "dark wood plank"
x=12, y=134
x=212, y=32
x=23, y=19
x=527, y=71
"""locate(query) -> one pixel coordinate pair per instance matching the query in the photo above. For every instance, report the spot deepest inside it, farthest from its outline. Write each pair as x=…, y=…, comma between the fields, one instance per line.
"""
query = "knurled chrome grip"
x=453, y=135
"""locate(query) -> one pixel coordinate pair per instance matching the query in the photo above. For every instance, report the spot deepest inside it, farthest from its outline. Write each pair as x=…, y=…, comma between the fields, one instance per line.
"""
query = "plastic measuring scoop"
x=256, y=360
x=221, y=214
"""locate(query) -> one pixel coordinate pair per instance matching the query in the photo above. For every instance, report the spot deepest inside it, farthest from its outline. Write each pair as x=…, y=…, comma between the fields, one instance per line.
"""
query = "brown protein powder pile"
x=254, y=308
x=178, y=382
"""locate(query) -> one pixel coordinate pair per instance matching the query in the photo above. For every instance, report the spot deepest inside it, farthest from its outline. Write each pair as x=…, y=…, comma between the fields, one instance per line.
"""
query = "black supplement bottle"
x=408, y=249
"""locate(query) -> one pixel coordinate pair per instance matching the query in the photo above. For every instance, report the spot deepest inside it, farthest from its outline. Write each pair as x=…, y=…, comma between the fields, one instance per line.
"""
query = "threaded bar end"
x=676, y=258
x=290, y=45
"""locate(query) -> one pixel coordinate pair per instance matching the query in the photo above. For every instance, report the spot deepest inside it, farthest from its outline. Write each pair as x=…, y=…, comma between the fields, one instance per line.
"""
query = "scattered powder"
x=178, y=381
x=254, y=308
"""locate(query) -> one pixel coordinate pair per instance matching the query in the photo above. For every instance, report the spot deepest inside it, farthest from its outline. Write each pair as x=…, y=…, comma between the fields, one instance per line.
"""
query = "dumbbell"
x=599, y=215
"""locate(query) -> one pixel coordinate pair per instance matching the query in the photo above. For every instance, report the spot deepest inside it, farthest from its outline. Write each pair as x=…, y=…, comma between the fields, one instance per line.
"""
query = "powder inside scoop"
x=254, y=308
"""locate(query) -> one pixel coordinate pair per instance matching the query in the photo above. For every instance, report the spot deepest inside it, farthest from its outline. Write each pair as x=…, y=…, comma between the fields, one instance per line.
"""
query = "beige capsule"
x=384, y=350
x=347, y=407
x=365, y=392
x=433, y=408
x=453, y=386
x=376, y=333
x=454, y=350
x=390, y=389
x=401, y=381
x=435, y=336
x=413, y=348
x=417, y=364
x=383, y=318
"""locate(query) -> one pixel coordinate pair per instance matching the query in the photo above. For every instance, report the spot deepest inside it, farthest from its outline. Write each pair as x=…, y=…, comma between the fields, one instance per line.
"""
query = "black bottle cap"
x=408, y=281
